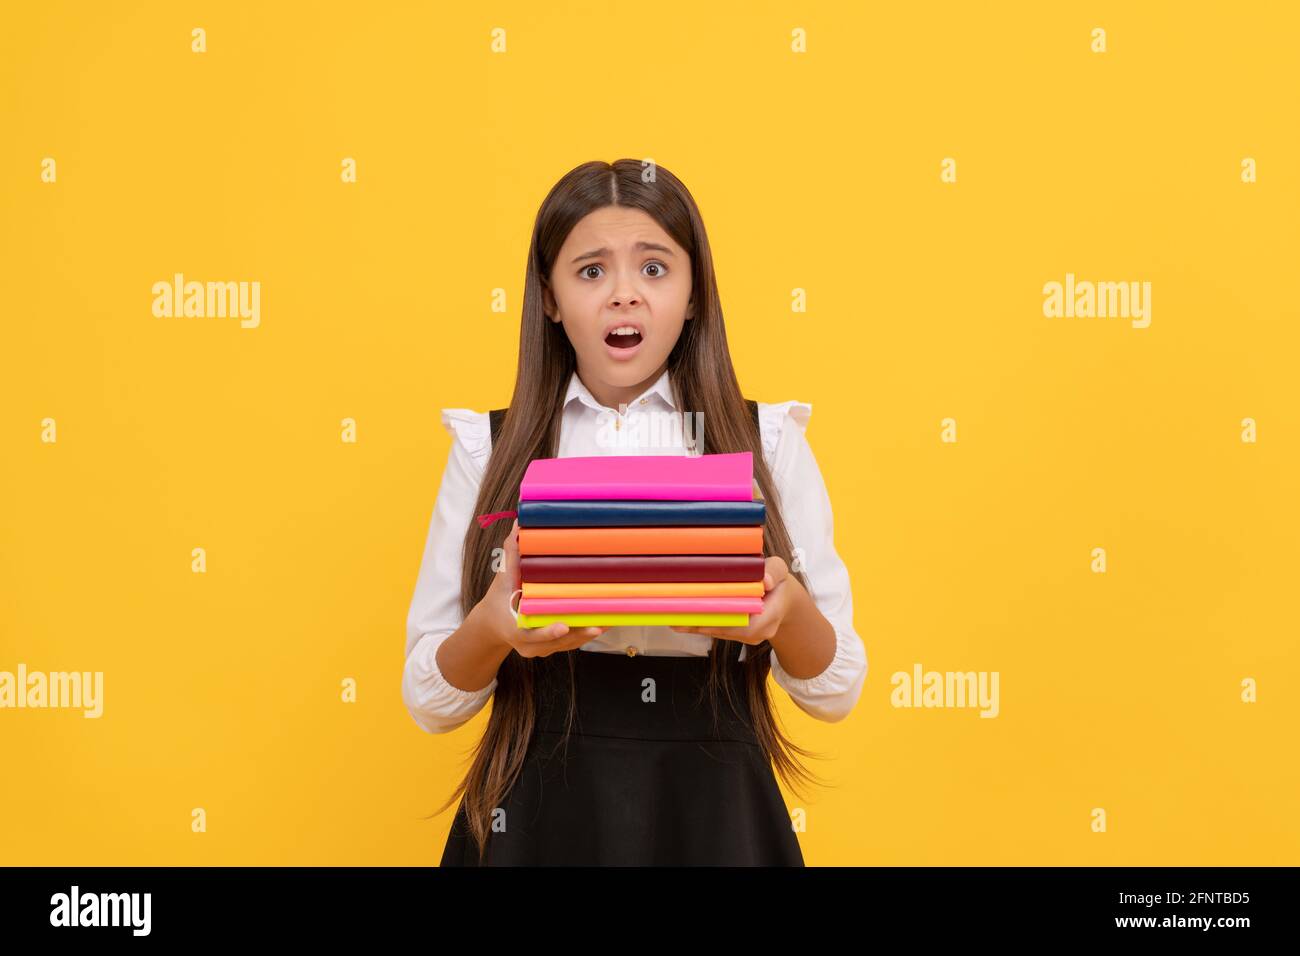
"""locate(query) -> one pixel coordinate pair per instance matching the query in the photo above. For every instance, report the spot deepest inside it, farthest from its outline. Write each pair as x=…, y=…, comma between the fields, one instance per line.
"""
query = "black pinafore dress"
x=644, y=777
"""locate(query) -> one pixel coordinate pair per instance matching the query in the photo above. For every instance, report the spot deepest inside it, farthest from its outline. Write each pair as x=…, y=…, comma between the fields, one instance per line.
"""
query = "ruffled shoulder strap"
x=771, y=421
x=471, y=430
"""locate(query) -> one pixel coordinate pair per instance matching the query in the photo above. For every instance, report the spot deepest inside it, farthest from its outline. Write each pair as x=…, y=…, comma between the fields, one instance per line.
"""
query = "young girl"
x=625, y=745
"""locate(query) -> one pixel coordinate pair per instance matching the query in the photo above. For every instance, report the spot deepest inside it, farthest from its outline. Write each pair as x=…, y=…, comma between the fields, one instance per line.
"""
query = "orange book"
x=691, y=539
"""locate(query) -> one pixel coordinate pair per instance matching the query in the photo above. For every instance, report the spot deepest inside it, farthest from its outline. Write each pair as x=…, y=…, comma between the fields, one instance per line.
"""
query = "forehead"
x=615, y=226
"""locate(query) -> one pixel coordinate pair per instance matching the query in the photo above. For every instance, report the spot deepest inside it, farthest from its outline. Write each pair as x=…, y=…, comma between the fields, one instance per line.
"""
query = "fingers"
x=710, y=631
x=581, y=636
x=744, y=634
x=775, y=571
x=551, y=632
x=559, y=631
x=540, y=635
x=568, y=640
x=511, y=546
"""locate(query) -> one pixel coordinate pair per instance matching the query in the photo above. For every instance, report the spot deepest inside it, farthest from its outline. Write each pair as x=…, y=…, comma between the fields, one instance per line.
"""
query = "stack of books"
x=619, y=540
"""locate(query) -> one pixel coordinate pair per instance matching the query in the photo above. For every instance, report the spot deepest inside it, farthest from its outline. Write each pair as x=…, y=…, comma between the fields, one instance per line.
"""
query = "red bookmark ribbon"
x=486, y=520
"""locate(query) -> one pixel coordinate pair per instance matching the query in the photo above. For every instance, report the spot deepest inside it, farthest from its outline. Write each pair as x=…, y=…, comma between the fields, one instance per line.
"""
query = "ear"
x=548, y=303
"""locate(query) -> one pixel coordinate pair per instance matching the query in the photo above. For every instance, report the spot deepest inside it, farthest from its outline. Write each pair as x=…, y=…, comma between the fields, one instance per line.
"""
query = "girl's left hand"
x=779, y=589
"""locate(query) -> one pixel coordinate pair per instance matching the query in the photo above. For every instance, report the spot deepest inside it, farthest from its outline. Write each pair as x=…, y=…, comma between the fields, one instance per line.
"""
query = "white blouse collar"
x=662, y=387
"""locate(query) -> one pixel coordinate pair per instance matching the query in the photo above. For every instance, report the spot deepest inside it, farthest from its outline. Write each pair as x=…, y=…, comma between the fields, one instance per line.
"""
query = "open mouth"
x=623, y=338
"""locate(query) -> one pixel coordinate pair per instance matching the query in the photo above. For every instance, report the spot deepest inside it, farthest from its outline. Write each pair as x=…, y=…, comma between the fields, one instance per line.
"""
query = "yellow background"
x=817, y=171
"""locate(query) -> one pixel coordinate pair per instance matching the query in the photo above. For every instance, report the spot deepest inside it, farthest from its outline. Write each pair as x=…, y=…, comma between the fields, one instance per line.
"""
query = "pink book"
x=642, y=605
x=725, y=477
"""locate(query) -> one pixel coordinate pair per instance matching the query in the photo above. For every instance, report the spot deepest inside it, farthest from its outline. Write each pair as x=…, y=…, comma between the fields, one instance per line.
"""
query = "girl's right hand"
x=527, y=641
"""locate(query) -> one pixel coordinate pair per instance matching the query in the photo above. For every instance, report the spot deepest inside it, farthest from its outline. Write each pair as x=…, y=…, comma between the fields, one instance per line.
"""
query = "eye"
x=660, y=270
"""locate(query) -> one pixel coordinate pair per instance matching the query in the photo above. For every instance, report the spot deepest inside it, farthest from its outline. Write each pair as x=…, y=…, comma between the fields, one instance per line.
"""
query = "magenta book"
x=724, y=477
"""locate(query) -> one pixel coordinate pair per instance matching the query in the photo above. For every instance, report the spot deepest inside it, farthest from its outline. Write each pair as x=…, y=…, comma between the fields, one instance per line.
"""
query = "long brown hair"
x=702, y=376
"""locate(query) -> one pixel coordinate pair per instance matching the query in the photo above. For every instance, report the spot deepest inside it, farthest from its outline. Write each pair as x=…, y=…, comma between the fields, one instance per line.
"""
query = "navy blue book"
x=626, y=513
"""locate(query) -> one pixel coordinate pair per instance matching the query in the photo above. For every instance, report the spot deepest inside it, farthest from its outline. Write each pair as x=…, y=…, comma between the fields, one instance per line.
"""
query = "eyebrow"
x=597, y=253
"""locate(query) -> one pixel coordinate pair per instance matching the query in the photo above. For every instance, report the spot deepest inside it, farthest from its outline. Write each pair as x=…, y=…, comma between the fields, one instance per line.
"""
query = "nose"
x=624, y=295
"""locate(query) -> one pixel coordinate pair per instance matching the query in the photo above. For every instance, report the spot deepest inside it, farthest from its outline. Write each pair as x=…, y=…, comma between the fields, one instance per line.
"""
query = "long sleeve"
x=832, y=694
x=436, y=705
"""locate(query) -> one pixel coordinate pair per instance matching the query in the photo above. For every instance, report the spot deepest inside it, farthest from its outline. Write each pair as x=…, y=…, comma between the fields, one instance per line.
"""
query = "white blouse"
x=439, y=707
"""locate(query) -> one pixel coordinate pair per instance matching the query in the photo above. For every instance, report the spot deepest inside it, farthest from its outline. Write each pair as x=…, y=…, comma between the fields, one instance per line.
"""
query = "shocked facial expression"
x=621, y=287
